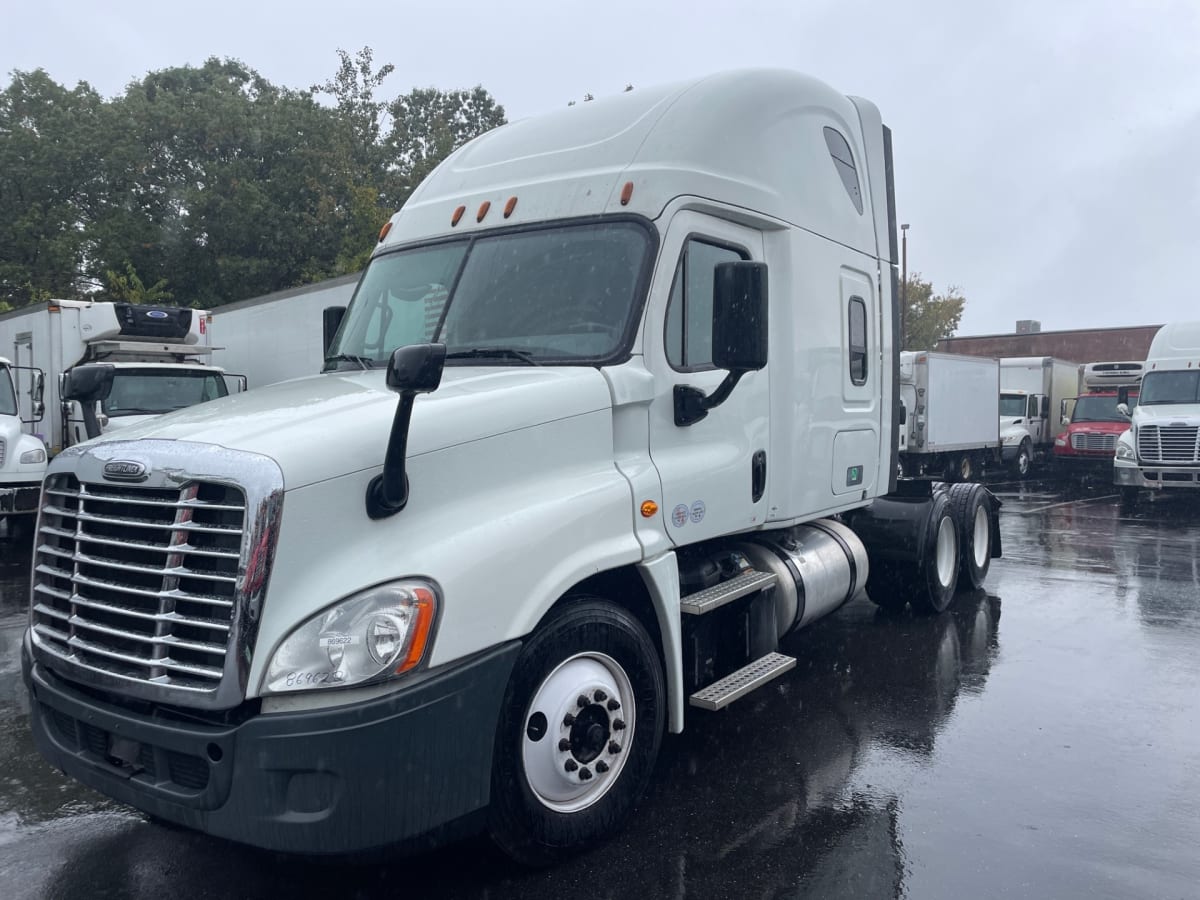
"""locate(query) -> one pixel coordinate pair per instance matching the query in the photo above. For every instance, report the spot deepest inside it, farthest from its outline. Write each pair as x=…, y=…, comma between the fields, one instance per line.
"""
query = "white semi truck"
x=1031, y=391
x=1161, y=449
x=644, y=352
x=950, y=427
x=158, y=355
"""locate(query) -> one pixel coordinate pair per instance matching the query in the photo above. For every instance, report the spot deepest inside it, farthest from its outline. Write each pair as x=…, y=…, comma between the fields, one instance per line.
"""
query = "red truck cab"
x=1090, y=440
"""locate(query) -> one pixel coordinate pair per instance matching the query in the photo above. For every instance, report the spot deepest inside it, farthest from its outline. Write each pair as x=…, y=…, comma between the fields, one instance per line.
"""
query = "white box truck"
x=1031, y=391
x=1161, y=449
x=158, y=355
x=950, y=427
x=22, y=453
x=576, y=464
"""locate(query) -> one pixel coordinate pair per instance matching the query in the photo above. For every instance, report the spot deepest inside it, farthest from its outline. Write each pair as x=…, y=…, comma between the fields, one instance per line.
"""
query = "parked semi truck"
x=1092, y=421
x=950, y=423
x=1161, y=449
x=612, y=411
x=22, y=454
x=158, y=355
x=1030, y=387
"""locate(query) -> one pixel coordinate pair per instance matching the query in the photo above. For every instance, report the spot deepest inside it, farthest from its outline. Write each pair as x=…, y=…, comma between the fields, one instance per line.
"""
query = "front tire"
x=579, y=732
x=1024, y=460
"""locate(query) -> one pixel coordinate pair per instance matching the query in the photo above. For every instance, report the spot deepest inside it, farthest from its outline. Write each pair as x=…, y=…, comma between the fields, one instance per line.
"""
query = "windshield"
x=564, y=295
x=1170, y=387
x=8, y=397
x=1101, y=409
x=141, y=392
x=1012, y=406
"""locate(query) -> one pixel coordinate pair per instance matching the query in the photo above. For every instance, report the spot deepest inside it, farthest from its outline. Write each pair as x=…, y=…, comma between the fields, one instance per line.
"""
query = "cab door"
x=713, y=471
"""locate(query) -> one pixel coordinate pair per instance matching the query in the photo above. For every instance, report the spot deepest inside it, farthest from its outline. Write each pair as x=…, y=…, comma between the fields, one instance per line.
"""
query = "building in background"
x=1081, y=345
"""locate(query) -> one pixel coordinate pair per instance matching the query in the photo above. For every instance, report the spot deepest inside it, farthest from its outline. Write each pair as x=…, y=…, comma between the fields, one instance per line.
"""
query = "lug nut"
x=601, y=767
x=570, y=765
x=614, y=747
x=568, y=720
x=585, y=773
x=618, y=724
x=564, y=745
x=613, y=705
x=599, y=696
x=581, y=701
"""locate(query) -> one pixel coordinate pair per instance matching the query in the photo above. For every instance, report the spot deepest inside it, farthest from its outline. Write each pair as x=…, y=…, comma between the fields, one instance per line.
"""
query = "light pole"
x=903, y=283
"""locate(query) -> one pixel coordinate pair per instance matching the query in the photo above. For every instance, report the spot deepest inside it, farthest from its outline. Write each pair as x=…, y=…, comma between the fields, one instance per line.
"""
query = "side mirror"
x=39, y=387
x=739, y=336
x=1123, y=409
x=1123, y=398
x=740, y=316
x=331, y=320
x=415, y=369
x=89, y=385
x=1064, y=421
x=903, y=414
x=1044, y=408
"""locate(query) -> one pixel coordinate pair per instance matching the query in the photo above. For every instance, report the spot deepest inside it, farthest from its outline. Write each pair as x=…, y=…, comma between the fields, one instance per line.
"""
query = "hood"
x=1167, y=413
x=329, y=425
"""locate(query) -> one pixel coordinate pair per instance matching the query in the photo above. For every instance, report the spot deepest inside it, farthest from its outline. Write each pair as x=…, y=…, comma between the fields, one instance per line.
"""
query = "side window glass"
x=857, y=319
x=1033, y=408
x=690, y=308
x=843, y=161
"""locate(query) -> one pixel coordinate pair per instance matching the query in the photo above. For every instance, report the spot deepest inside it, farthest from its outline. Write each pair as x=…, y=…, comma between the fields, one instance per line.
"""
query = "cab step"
x=718, y=595
x=721, y=693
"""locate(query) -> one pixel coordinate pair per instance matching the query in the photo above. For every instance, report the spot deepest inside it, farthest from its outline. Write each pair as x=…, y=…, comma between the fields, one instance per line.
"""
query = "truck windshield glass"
x=144, y=392
x=1101, y=409
x=564, y=295
x=1012, y=406
x=1170, y=387
x=8, y=397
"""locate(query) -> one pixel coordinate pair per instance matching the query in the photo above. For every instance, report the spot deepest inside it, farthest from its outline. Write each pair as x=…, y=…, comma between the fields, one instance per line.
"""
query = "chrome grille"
x=139, y=583
x=1169, y=443
x=1094, y=442
x=3, y=451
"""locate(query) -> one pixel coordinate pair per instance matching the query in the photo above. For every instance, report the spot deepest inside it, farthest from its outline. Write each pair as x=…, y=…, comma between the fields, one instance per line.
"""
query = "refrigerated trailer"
x=950, y=427
x=613, y=410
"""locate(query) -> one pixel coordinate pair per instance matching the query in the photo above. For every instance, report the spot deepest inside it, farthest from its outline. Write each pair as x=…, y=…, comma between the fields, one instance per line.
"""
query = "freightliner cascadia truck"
x=613, y=409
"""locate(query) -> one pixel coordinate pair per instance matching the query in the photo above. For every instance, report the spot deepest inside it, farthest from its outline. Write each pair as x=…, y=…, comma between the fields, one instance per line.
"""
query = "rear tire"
x=971, y=506
x=927, y=575
x=567, y=773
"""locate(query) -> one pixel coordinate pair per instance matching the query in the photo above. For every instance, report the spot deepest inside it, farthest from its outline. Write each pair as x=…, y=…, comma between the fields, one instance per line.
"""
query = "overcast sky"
x=1045, y=151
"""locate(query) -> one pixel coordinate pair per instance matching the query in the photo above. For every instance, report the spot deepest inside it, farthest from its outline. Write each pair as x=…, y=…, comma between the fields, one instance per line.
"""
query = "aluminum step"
x=726, y=592
x=721, y=693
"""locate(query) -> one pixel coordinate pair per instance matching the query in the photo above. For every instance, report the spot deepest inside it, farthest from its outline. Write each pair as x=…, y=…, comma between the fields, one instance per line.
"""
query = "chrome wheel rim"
x=946, y=554
x=981, y=536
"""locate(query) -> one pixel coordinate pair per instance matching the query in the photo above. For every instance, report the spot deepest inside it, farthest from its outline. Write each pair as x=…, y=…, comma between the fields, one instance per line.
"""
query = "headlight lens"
x=33, y=456
x=372, y=636
x=1125, y=451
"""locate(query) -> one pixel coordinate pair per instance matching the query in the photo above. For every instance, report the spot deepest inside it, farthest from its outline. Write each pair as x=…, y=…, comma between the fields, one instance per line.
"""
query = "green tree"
x=127, y=287
x=428, y=125
x=929, y=317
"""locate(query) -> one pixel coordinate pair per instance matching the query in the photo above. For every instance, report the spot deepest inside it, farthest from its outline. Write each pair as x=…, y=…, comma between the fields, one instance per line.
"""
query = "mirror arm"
x=692, y=404
x=91, y=423
x=387, y=493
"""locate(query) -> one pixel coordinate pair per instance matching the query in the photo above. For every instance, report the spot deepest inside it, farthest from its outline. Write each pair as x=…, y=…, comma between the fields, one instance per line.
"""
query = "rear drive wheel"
x=579, y=732
x=926, y=574
x=966, y=468
x=971, y=506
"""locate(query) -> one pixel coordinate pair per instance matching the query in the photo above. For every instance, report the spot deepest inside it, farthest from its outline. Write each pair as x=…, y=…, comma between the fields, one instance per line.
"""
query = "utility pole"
x=903, y=284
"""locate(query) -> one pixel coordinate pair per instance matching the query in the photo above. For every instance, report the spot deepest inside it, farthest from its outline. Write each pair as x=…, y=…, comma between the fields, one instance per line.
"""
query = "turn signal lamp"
x=649, y=508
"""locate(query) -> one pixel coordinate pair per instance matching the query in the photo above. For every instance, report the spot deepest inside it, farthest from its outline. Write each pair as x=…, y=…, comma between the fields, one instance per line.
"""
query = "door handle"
x=758, y=475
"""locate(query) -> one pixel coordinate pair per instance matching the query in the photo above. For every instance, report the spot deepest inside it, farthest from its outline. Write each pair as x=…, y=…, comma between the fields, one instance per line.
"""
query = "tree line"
x=204, y=185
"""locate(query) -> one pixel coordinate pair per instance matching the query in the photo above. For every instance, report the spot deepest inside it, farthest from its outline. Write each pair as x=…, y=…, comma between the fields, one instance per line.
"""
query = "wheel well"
x=623, y=587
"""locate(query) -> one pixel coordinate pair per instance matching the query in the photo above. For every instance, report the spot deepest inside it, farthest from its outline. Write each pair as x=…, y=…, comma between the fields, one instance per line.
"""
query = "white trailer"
x=951, y=424
x=612, y=410
x=158, y=353
x=1031, y=391
x=278, y=336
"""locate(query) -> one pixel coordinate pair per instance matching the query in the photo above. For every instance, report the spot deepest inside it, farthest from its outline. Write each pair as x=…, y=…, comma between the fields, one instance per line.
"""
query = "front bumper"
x=1084, y=461
x=331, y=781
x=1128, y=473
x=20, y=498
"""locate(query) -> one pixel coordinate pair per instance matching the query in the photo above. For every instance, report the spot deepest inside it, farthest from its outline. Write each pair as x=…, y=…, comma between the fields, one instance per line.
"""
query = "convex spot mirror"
x=740, y=316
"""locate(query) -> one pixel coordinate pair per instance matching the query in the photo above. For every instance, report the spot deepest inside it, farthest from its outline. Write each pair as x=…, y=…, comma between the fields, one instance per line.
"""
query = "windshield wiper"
x=494, y=353
x=364, y=363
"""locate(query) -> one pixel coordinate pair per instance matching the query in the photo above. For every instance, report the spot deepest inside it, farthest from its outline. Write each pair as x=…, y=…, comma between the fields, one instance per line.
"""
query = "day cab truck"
x=612, y=410
x=1092, y=421
x=1030, y=387
x=157, y=355
x=22, y=454
x=1161, y=449
x=951, y=408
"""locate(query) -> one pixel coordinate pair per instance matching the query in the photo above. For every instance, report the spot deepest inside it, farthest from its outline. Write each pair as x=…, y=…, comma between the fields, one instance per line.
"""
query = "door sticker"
x=679, y=515
x=698, y=512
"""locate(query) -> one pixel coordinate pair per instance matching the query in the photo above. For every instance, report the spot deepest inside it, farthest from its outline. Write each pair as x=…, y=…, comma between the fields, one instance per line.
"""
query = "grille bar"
x=173, y=594
x=90, y=538
x=141, y=523
x=1169, y=443
x=78, y=621
x=133, y=501
x=180, y=571
x=115, y=610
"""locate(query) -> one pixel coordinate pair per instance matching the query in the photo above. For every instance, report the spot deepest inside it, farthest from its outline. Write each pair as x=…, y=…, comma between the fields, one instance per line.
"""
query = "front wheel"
x=579, y=732
x=1024, y=459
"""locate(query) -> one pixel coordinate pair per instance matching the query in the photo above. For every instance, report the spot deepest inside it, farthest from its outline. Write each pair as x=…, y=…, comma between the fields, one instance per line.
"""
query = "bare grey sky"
x=1044, y=150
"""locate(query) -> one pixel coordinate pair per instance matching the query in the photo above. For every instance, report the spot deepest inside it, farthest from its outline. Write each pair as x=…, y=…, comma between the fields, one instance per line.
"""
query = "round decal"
x=679, y=515
x=698, y=511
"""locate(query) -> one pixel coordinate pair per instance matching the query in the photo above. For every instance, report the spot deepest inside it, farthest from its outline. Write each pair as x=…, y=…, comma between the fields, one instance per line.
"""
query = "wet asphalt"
x=1041, y=739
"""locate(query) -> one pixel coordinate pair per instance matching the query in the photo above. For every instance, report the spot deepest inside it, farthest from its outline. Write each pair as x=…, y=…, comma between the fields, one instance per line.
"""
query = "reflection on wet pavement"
x=1051, y=751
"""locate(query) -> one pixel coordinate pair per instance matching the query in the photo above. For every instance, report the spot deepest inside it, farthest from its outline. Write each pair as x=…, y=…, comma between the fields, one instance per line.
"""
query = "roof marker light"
x=510, y=206
x=458, y=214
x=626, y=193
x=383, y=232
x=483, y=210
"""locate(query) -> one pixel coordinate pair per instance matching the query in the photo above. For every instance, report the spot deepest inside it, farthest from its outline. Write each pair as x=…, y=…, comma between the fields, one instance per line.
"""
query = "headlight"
x=33, y=456
x=1060, y=441
x=1011, y=438
x=1125, y=451
x=372, y=636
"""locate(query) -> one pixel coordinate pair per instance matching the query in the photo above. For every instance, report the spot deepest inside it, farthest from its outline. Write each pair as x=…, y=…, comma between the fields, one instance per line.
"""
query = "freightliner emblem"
x=125, y=470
